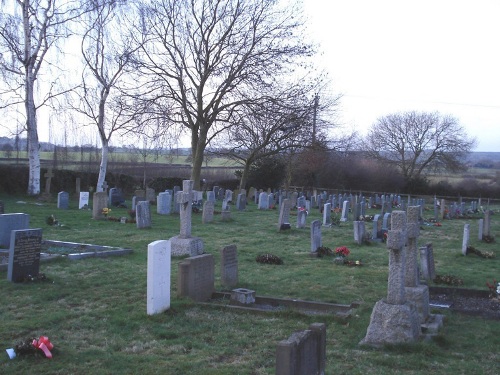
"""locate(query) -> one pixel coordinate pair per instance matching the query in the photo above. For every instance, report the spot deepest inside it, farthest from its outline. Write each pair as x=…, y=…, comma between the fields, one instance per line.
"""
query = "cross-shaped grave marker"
x=48, y=180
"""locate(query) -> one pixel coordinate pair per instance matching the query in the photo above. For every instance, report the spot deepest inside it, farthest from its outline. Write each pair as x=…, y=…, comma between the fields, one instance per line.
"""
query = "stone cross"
x=105, y=186
x=48, y=180
x=413, y=231
x=185, y=198
x=396, y=238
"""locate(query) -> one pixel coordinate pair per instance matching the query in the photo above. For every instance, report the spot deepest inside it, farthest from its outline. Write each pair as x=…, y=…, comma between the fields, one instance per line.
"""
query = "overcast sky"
x=388, y=56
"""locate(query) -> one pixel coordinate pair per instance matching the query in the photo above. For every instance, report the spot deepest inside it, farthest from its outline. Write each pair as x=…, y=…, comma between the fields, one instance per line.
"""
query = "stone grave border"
x=83, y=250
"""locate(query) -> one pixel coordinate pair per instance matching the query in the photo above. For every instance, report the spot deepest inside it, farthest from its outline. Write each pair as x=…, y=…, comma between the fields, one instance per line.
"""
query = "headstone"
x=143, y=215
x=377, y=227
x=386, y=221
x=486, y=222
x=210, y=196
x=99, y=201
x=315, y=236
x=303, y=353
x=228, y=195
x=359, y=232
x=208, y=212
x=241, y=202
x=327, y=212
x=164, y=203
x=465, y=239
x=84, y=199
x=158, y=278
x=10, y=222
x=345, y=211
x=184, y=244
x=263, y=201
x=48, y=176
x=116, y=198
x=284, y=218
x=24, y=254
x=196, y=277
x=427, y=267
x=394, y=320
x=229, y=266
x=480, y=230
x=63, y=200
x=301, y=218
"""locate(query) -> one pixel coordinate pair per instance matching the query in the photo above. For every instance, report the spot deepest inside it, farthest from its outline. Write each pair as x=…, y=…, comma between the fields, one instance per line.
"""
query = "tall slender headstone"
x=284, y=218
x=316, y=240
x=345, y=211
x=158, y=278
x=465, y=239
x=327, y=211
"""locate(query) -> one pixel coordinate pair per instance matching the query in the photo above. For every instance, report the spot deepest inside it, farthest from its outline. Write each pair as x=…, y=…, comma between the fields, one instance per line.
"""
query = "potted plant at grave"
x=341, y=253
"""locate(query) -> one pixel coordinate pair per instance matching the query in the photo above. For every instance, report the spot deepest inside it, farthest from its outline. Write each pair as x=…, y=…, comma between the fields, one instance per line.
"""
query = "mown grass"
x=94, y=310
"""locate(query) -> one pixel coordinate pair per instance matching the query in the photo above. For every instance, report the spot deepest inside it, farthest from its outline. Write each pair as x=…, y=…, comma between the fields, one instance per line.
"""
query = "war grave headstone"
x=63, y=200
x=229, y=266
x=143, y=215
x=158, y=278
x=415, y=293
x=10, y=222
x=316, y=240
x=196, y=277
x=303, y=353
x=394, y=320
x=24, y=254
x=284, y=218
x=83, y=201
x=99, y=201
x=163, y=203
x=184, y=243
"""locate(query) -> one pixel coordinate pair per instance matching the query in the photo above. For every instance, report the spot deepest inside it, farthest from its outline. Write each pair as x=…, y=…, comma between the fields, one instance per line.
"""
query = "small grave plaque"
x=24, y=254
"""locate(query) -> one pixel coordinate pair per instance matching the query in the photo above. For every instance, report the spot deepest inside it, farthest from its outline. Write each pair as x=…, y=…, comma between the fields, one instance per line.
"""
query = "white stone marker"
x=158, y=282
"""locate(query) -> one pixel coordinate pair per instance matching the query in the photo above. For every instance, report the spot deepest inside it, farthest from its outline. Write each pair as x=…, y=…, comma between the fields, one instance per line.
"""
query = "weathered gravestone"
x=327, y=211
x=345, y=211
x=116, y=198
x=480, y=229
x=184, y=243
x=150, y=195
x=207, y=215
x=24, y=254
x=10, y=222
x=394, y=320
x=301, y=218
x=196, y=278
x=163, y=203
x=210, y=196
x=84, y=199
x=303, y=353
x=465, y=239
x=143, y=215
x=63, y=200
x=229, y=266
x=241, y=202
x=284, y=218
x=99, y=201
x=48, y=176
x=359, y=231
x=158, y=279
x=427, y=267
x=377, y=227
x=316, y=241
x=263, y=201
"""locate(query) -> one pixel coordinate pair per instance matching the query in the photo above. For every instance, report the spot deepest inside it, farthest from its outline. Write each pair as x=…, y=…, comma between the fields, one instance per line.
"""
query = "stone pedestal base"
x=392, y=324
x=419, y=295
x=186, y=246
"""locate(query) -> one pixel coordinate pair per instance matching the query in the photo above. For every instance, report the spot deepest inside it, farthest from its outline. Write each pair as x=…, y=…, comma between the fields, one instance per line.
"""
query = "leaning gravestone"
x=184, y=243
x=63, y=200
x=143, y=215
x=196, y=278
x=24, y=254
x=10, y=222
x=158, y=279
x=229, y=266
x=394, y=320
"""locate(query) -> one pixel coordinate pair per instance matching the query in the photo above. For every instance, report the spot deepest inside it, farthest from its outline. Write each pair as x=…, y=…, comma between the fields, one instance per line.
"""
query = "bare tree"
x=107, y=55
x=416, y=141
x=28, y=30
x=205, y=59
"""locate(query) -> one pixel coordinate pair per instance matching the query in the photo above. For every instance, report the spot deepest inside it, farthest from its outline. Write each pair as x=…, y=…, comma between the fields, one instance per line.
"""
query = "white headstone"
x=84, y=199
x=158, y=279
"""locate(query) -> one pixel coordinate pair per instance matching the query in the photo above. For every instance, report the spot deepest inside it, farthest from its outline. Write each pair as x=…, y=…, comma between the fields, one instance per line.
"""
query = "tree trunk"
x=103, y=166
x=33, y=146
x=198, y=144
x=244, y=175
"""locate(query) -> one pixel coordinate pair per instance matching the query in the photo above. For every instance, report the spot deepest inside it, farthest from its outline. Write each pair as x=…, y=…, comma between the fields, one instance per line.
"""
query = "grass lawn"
x=94, y=310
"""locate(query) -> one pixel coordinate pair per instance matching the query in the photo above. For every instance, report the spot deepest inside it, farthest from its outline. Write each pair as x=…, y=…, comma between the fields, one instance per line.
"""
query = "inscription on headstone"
x=24, y=254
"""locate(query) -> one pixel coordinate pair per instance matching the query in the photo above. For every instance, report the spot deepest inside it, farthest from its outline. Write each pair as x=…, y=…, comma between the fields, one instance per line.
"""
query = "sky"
x=389, y=56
